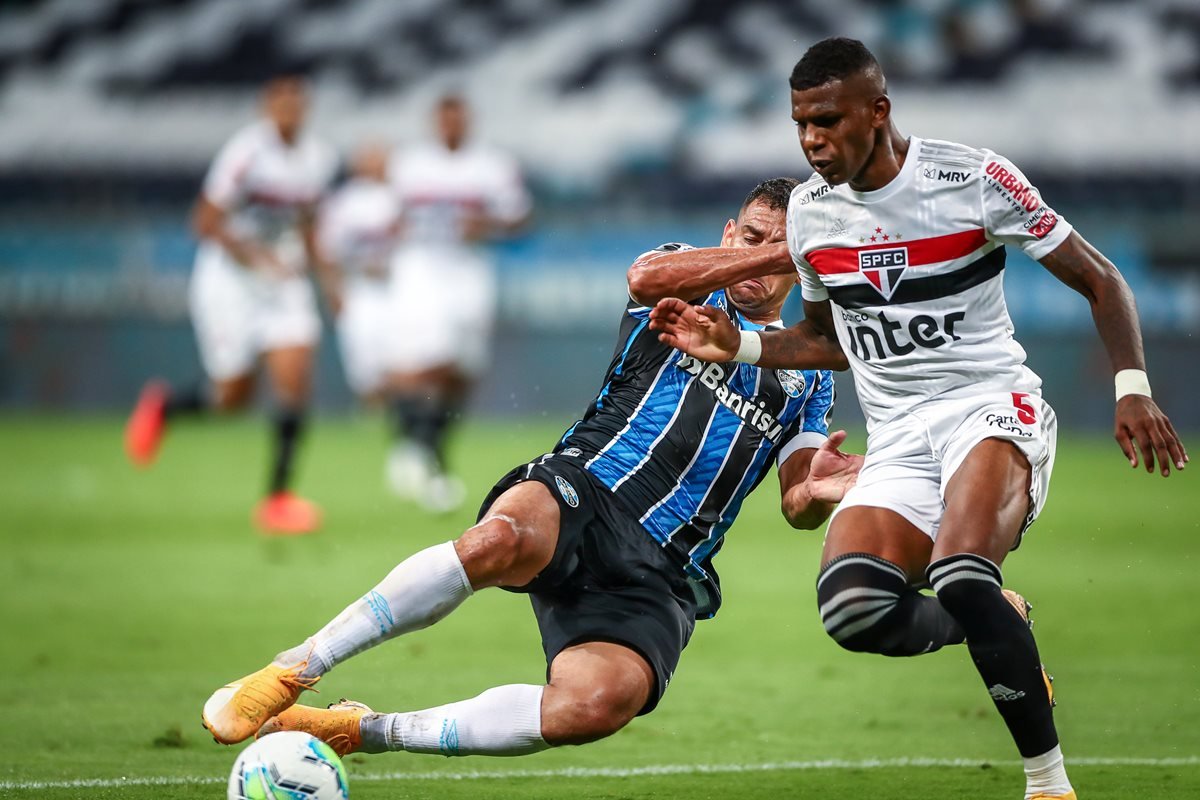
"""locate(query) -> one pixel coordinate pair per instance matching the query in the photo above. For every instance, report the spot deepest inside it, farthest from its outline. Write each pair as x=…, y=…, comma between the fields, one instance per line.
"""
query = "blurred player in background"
x=356, y=235
x=250, y=296
x=900, y=246
x=455, y=195
x=612, y=534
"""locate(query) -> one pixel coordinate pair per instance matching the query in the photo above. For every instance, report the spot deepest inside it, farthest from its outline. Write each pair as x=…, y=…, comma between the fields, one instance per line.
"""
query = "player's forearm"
x=208, y=223
x=688, y=274
x=802, y=510
x=802, y=346
x=1115, y=314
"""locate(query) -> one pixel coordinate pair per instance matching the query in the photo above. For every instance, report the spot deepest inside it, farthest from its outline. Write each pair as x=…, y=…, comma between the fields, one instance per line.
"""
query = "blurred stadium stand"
x=638, y=122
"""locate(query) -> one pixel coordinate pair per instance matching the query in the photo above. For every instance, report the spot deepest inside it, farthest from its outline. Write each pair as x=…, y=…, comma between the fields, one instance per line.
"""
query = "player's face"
x=836, y=123
x=452, y=123
x=286, y=103
x=758, y=224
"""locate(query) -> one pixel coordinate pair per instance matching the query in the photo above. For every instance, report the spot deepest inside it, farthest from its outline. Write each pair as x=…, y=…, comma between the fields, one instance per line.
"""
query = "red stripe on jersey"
x=934, y=250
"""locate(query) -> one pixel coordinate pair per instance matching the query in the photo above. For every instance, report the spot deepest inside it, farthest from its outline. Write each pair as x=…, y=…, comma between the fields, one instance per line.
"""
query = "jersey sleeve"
x=1014, y=212
x=811, y=428
x=811, y=288
x=224, y=183
x=635, y=308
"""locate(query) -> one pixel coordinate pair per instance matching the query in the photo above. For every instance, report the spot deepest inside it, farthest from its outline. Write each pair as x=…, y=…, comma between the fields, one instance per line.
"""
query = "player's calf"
x=867, y=606
x=1006, y=656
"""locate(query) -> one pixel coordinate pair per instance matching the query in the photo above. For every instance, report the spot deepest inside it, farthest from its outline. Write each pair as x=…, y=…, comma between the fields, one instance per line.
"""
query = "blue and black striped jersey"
x=680, y=443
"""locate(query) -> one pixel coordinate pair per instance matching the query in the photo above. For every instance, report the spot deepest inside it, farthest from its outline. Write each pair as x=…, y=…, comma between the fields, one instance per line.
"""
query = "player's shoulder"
x=809, y=191
x=250, y=137
x=949, y=156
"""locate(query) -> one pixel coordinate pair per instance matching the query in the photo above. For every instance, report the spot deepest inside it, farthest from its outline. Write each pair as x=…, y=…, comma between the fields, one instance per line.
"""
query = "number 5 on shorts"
x=1025, y=410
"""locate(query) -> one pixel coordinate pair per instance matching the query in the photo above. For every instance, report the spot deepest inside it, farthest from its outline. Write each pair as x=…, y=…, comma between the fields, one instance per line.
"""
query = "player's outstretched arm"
x=1140, y=424
x=208, y=222
x=329, y=276
x=707, y=334
x=697, y=271
x=814, y=480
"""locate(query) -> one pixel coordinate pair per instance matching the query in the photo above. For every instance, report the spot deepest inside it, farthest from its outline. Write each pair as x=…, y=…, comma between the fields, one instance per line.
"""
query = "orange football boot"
x=336, y=726
x=1023, y=607
x=146, y=425
x=237, y=710
x=286, y=514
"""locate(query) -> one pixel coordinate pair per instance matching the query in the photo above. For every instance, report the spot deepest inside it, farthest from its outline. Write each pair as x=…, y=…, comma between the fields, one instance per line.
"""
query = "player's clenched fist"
x=703, y=332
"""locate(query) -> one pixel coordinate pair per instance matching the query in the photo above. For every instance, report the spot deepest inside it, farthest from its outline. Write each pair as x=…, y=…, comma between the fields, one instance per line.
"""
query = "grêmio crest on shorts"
x=913, y=272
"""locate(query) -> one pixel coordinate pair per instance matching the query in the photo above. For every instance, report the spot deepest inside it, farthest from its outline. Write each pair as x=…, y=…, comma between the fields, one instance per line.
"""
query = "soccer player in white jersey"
x=455, y=196
x=900, y=246
x=250, y=296
x=356, y=234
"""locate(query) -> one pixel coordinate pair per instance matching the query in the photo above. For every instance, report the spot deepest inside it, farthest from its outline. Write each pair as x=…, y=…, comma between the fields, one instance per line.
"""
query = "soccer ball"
x=289, y=765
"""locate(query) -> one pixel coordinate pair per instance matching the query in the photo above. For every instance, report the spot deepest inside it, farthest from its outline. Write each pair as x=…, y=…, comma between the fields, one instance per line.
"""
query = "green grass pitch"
x=127, y=597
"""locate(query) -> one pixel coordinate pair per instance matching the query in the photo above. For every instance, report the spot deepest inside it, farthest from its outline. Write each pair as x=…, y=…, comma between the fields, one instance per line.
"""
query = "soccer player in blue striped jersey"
x=612, y=534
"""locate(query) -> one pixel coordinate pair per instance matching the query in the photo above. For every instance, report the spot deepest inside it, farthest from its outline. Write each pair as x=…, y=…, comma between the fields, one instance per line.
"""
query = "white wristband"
x=1131, y=381
x=750, y=350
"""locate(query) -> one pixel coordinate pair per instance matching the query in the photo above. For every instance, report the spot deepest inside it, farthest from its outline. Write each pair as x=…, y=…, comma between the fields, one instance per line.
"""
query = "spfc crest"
x=884, y=268
x=792, y=381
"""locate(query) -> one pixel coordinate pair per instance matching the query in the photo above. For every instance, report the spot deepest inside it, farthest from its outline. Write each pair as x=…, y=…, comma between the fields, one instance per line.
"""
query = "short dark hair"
x=775, y=192
x=832, y=59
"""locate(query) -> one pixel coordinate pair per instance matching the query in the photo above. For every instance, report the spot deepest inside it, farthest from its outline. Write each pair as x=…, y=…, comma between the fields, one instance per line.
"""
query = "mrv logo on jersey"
x=883, y=268
x=713, y=376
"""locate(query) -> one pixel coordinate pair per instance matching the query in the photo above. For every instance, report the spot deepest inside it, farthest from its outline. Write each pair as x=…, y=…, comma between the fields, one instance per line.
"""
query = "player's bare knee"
x=580, y=714
x=232, y=395
x=496, y=552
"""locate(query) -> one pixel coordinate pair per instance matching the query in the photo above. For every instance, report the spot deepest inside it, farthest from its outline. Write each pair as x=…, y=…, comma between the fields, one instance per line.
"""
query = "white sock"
x=421, y=590
x=1046, y=774
x=504, y=721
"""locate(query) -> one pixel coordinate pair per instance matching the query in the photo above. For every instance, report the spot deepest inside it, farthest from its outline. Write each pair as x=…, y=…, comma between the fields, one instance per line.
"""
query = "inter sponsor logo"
x=883, y=268
x=893, y=338
x=714, y=376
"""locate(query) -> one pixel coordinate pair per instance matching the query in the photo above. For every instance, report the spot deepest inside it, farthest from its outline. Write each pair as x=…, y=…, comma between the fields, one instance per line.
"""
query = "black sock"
x=289, y=424
x=191, y=399
x=425, y=420
x=867, y=606
x=1001, y=646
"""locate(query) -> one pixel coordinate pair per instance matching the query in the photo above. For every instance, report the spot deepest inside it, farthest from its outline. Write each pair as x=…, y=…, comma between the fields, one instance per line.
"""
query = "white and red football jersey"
x=913, y=272
x=357, y=227
x=439, y=187
x=264, y=185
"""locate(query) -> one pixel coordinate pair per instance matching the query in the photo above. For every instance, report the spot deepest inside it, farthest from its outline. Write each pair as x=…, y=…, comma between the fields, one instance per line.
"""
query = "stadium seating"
x=615, y=81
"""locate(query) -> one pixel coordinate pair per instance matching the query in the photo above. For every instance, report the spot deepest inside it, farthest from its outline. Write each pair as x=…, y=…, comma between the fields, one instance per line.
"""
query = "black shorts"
x=608, y=580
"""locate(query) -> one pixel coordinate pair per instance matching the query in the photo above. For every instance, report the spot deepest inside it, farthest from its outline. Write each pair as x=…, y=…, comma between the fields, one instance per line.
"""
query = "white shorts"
x=442, y=313
x=239, y=314
x=911, y=458
x=363, y=334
